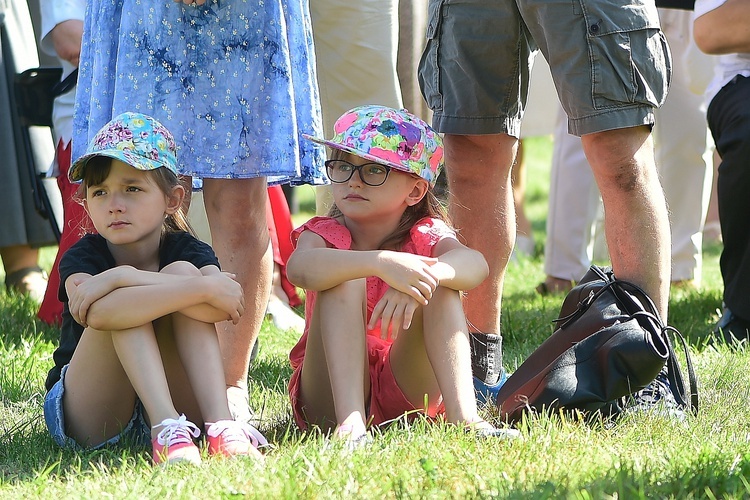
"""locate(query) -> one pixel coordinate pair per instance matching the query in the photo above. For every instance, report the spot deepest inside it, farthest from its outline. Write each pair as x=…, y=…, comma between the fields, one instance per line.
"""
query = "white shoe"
x=524, y=247
x=284, y=317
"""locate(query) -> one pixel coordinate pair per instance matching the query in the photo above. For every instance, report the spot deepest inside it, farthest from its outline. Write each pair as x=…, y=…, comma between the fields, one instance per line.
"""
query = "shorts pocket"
x=632, y=67
x=630, y=59
x=429, y=67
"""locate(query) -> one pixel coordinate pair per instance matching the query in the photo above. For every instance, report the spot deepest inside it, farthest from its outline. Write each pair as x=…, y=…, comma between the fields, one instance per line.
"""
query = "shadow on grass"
x=18, y=321
x=710, y=475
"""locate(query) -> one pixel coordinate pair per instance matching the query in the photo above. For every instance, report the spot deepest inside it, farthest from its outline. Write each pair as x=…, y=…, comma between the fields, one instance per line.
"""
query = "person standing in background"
x=23, y=230
x=474, y=75
x=683, y=150
x=62, y=28
x=722, y=27
x=356, y=47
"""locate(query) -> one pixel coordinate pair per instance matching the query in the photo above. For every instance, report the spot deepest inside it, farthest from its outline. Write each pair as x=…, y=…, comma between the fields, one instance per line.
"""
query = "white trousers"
x=356, y=46
x=683, y=152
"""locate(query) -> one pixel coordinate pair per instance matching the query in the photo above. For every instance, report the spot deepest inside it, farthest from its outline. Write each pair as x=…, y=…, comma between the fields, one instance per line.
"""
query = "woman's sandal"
x=563, y=287
x=31, y=281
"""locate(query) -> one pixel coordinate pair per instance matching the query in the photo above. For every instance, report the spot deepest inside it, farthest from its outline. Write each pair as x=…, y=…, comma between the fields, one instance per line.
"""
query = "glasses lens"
x=339, y=171
x=372, y=174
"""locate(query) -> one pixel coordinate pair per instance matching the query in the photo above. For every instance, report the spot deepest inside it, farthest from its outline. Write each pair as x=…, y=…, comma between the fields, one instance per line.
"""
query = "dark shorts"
x=387, y=401
x=609, y=60
x=136, y=431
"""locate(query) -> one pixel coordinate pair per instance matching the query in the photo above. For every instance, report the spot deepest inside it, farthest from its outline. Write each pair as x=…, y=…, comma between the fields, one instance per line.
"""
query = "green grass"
x=642, y=456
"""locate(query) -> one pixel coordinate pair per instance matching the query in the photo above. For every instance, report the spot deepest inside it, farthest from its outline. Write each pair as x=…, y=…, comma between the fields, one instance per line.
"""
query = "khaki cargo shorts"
x=609, y=60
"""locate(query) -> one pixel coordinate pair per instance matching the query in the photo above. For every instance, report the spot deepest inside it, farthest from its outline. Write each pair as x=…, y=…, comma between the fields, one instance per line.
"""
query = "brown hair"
x=97, y=170
x=428, y=206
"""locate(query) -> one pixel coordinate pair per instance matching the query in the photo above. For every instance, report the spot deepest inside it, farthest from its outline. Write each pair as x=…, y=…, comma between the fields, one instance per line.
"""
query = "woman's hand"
x=396, y=310
x=66, y=38
x=226, y=295
x=409, y=273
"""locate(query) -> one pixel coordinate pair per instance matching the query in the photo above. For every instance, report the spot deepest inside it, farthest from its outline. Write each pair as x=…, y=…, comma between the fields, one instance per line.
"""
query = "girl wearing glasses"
x=385, y=331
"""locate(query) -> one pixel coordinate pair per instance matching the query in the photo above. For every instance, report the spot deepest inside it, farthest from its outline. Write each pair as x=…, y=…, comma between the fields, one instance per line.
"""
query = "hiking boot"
x=174, y=443
x=486, y=393
x=657, y=397
x=733, y=330
x=487, y=366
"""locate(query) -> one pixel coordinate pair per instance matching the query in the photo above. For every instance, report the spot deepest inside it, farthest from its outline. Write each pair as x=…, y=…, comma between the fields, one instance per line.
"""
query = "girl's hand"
x=409, y=273
x=89, y=289
x=226, y=295
x=396, y=310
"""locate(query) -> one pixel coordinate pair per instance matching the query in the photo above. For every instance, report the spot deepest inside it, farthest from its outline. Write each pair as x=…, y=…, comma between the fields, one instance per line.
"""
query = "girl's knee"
x=182, y=268
x=444, y=294
x=348, y=291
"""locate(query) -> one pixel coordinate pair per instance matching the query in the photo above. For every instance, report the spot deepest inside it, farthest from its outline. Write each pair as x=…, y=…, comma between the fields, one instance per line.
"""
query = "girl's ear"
x=418, y=192
x=175, y=199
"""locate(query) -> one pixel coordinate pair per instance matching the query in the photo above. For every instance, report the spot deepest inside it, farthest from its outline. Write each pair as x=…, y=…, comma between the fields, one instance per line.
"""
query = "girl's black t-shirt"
x=91, y=255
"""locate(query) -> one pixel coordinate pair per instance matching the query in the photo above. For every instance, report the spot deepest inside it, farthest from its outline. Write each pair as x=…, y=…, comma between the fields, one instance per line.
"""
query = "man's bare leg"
x=481, y=205
x=636, y=221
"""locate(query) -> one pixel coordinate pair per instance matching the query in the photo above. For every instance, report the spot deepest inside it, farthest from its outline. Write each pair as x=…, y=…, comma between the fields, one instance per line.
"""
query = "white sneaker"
x=284, y=317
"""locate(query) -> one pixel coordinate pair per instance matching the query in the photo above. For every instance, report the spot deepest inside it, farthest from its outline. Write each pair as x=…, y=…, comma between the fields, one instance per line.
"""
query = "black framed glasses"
x=372, y=174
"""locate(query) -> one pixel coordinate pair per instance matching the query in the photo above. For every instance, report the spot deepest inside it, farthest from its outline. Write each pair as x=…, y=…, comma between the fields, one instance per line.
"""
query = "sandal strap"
x=13, y=279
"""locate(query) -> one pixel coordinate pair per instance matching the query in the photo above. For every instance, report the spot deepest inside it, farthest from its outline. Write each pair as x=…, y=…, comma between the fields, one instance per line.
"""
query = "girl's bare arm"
x=459, y=267
x=125, y=297
x=313, y=266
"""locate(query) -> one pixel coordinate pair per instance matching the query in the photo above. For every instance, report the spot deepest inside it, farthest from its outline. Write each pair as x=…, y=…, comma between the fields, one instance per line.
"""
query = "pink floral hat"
x=395, y=138
x=133, y=138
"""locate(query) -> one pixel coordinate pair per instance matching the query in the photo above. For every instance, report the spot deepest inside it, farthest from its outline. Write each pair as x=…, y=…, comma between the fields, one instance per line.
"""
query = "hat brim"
x=355, y=151
x=76, y=172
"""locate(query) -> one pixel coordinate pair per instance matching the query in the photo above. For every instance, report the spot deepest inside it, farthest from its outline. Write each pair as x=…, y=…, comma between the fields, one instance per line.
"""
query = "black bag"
x=609, y=343
x=36, y=90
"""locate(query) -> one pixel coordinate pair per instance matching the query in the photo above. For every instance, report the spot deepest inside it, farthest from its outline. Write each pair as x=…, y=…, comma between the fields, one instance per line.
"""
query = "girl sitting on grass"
x=385, y=330
x=138, y=344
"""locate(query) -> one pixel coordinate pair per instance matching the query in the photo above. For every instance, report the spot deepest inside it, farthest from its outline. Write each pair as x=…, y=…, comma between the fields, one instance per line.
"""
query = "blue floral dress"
x=233, y=80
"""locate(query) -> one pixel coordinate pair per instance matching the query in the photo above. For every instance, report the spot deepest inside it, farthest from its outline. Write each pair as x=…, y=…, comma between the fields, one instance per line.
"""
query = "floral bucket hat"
x=395, y=138
x=133, y=138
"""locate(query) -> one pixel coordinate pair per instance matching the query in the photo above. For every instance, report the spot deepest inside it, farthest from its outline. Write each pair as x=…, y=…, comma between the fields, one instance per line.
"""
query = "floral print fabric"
x=392, y=137
x=133, y=138
x=233, y=80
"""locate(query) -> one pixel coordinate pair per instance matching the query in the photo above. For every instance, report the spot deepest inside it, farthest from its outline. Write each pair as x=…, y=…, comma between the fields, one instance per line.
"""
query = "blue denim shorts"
x=609, y=59
x=136, y=432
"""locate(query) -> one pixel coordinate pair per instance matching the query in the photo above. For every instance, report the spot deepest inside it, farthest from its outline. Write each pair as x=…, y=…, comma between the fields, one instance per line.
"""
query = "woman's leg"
x=236, y=210
x=335, y=380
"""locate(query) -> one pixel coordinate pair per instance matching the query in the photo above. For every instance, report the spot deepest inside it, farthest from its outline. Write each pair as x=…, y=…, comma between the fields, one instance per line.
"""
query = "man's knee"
x=622, y=160
x=477, y=158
